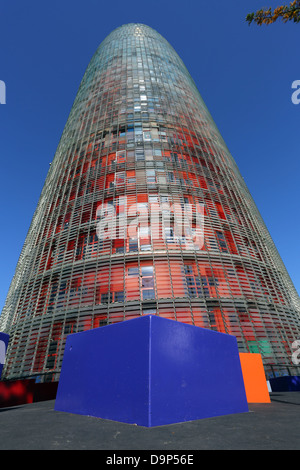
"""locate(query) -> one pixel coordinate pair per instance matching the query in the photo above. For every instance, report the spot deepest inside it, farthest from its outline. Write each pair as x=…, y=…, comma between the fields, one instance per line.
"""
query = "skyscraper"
x=144, y=211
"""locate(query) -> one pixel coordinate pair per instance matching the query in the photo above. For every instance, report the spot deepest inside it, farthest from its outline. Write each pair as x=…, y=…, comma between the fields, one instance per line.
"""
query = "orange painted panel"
x=254, y=378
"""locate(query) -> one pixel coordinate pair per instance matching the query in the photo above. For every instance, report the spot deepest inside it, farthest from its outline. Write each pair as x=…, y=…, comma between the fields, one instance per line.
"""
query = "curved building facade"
x=144, y=211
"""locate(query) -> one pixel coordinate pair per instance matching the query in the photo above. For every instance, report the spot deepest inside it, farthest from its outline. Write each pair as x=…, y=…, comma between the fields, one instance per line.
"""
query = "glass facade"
x=144, y=211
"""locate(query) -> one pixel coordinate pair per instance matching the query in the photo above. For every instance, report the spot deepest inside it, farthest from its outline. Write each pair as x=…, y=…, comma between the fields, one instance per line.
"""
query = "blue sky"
x=243, y=73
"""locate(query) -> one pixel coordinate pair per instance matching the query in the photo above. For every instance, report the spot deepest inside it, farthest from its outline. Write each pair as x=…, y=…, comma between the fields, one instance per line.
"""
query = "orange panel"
x=254, y=378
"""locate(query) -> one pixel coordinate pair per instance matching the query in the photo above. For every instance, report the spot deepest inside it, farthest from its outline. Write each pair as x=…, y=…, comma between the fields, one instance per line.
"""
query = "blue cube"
x=151, y=371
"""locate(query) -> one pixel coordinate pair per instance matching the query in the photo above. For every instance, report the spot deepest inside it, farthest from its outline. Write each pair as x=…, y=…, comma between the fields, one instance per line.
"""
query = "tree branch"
x=286, y=13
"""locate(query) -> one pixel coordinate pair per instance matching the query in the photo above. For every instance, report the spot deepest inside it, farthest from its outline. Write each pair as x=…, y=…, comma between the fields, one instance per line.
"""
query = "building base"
x=25, y=391
x=285, y=384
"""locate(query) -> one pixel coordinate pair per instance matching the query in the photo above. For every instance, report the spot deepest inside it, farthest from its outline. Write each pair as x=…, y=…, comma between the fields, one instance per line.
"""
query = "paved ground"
x=267, y=426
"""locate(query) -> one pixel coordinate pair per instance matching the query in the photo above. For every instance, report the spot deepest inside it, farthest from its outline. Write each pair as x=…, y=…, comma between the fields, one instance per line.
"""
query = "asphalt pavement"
x=37, y=426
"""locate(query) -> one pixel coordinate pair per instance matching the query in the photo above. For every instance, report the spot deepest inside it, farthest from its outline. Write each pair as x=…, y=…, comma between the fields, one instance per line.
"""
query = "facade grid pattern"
x=138, y=137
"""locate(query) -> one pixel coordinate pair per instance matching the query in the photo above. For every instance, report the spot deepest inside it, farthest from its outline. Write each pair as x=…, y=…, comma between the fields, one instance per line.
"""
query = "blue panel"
x=4, y=338
x=151, y=371
x=195, y=373
x=285, y=384
x=105, y=373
